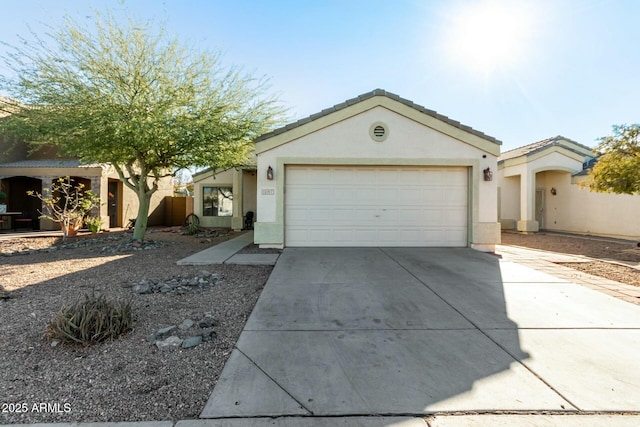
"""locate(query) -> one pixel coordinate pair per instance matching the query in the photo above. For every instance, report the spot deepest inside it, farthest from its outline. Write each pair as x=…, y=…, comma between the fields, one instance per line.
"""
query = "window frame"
x=213, y=206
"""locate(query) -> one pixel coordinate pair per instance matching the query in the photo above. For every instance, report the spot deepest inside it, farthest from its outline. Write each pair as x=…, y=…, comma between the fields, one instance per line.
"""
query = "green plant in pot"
x=67, y=204
x=93, y=223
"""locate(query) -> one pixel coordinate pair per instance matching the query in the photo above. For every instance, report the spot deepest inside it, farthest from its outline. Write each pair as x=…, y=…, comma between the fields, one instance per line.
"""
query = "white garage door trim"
x=376, y=206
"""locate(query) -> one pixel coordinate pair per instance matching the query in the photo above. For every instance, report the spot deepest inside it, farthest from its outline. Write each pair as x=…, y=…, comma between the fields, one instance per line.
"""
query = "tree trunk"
x=143, y=215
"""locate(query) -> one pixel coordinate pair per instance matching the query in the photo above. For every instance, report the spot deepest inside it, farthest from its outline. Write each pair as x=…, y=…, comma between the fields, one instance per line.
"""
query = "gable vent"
x=378, y=131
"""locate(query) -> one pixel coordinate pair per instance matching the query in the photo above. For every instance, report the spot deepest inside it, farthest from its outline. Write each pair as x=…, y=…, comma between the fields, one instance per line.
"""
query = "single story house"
x=377, y=170
x=222, y=198
x=541, y=187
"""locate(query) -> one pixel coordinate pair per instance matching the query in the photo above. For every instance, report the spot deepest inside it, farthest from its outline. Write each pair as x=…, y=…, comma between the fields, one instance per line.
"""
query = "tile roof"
x=527, y=150
x=365, y=96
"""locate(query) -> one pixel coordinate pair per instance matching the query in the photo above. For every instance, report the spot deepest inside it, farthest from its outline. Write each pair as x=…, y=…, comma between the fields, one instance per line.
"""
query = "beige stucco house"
x=224, y=197
x=540, y=189
x=22, y=171
x=377, y=170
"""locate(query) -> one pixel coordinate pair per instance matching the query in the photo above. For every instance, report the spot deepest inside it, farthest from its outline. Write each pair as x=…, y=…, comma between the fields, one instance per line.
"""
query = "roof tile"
x=365, y=96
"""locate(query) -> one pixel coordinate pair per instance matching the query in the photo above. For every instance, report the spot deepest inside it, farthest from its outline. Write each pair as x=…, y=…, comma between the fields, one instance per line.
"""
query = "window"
x=217, y=201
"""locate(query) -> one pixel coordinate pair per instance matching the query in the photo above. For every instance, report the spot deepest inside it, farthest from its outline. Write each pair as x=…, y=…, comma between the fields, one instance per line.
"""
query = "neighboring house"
x=377, y=170
x=223, y=198
x=539, y=188
x=22, y=171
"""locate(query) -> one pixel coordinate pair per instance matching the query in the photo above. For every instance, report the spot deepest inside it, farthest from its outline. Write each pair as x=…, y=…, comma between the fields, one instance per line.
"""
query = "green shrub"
x=191, y=229
x=93, y=223
x=91, y=319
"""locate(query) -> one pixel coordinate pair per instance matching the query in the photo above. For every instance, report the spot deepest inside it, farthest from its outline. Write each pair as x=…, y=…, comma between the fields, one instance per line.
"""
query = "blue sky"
x=518, y=70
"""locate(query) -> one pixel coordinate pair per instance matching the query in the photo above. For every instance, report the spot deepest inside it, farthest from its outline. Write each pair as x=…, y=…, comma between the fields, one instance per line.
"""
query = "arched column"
x=527, y=222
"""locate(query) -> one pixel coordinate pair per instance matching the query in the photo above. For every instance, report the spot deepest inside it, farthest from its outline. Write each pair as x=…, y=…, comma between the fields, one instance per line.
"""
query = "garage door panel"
x=456, y=196
x=376, y=206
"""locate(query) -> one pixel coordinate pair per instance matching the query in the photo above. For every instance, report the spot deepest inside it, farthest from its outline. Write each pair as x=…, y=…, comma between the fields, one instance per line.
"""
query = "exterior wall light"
x=270, y=173
x=553, y=191
x=488, y=175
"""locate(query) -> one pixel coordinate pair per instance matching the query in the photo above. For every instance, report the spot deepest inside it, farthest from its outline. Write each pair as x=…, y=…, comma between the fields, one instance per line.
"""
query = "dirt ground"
x=129, y=378
x=609, y=255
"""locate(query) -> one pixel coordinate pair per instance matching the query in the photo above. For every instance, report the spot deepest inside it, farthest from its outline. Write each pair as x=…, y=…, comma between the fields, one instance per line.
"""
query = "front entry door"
x=113, y=204
x=540, y=208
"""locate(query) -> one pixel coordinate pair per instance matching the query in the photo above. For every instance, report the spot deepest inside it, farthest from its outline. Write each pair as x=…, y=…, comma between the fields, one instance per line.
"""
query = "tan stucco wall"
x=572, y=209
x=527, y=169
x=348, y=142
x=249, y=193
x=578, y=210
x=130, y=202
x=220, y=179
x=98, y=178
x=509, y=191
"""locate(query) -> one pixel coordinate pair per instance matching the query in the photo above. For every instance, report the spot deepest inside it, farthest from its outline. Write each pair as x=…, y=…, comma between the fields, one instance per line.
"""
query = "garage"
x=377, y=170
x=376, y=206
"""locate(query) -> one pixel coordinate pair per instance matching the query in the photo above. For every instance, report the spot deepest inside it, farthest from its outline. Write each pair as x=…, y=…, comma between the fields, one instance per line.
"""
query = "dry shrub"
x=91, y=319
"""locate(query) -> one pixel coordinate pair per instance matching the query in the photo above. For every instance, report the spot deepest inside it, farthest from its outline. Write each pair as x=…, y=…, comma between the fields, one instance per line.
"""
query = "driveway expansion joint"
x=275, y=382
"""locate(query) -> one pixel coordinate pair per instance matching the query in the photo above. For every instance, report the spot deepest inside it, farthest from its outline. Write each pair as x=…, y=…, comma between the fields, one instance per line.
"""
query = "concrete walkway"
x=414, y=331
x=444, y=420
x=547, y=262
x=226, y=253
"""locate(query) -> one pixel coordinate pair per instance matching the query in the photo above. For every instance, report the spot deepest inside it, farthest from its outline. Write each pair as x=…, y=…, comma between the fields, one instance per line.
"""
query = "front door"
x=113, y=204
x=540, y=208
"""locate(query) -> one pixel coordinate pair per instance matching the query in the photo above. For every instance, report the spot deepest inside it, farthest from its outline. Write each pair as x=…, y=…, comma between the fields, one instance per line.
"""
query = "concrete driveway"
x=412, y=331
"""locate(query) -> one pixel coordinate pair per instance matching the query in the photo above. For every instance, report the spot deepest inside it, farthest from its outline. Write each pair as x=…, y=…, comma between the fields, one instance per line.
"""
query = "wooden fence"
x=176, y=209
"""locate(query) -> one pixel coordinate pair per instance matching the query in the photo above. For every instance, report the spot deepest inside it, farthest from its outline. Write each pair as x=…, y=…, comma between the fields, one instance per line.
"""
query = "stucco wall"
x=509, y=197
x=130, y=204
x=220, y=179
x=578, y=210
x=348, y=142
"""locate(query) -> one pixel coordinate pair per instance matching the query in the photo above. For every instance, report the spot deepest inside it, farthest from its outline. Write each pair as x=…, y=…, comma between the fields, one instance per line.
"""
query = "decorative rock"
x=186, y=324
x=207, y=322
x=114, y=244
x=55, y=343
x=142, y=288
x=172, y=341
x=177, y=284
x=152, y=338
x=165, y=331
x=192, y=341
x=208, y=334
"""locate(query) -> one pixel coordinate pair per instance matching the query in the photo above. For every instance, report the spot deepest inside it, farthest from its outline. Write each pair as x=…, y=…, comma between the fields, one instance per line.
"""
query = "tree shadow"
x=373, y=331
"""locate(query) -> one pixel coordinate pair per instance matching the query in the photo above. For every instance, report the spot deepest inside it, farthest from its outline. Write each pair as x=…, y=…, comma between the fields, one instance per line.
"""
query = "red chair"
x=24, y=220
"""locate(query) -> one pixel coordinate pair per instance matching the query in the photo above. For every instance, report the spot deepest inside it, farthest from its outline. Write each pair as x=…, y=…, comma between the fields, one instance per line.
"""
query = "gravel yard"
x=131, y=379
x=128, y=379
x=615, y=252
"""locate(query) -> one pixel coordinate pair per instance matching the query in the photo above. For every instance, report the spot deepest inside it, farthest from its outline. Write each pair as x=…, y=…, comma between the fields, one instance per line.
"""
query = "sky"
x=517, y=70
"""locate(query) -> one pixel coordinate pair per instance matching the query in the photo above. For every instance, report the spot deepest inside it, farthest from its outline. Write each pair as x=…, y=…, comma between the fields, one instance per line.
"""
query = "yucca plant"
x=91, y=319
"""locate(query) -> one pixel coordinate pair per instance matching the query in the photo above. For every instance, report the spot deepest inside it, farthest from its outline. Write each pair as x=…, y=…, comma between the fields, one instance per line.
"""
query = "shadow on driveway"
x=396, y=331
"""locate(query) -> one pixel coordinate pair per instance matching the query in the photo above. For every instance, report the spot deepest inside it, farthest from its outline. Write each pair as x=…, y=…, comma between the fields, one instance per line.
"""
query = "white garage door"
x=376, y=206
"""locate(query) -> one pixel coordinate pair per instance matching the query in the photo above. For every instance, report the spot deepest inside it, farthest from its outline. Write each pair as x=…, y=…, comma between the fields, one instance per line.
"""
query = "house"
x=22, y=171
x=224, y=197
x=377, y=170
x=541, y=187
